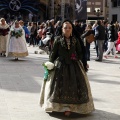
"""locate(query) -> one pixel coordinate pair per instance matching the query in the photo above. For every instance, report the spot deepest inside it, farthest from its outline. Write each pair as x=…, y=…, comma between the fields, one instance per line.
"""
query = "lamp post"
x=98, y=13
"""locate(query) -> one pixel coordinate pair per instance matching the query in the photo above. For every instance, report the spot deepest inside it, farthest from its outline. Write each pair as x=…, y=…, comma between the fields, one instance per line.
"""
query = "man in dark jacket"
x=78, y=32
x=100, y=37
x=78, y=27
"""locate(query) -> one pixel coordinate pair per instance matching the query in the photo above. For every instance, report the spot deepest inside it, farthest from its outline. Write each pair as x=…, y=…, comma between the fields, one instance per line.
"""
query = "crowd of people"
x=69, y=52
x=106, y=35
x=106, y=39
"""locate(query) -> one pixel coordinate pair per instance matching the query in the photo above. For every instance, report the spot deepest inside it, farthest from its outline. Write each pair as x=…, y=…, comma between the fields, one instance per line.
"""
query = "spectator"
x=30, y=16
x=111, y=41
x=88, y=31
x=27, y=33
x=100, y=38
x=33, y=34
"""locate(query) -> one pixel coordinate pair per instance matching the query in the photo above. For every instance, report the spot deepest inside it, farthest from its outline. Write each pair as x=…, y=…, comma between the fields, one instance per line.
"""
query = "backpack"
x=90, y=38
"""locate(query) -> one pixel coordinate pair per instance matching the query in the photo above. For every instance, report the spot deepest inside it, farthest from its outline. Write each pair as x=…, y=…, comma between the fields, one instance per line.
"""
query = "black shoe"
x=16, y=59
x=4, y=55
x=98, y=60
x=109, y=53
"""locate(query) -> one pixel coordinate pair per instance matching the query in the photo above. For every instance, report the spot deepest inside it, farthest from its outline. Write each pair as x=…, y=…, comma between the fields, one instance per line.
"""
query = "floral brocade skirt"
x=3, y=41
x=17, y=47
x=67, y=89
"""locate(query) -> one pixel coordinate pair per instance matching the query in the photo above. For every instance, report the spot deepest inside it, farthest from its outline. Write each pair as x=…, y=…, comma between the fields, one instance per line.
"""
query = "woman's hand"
x=87, y=66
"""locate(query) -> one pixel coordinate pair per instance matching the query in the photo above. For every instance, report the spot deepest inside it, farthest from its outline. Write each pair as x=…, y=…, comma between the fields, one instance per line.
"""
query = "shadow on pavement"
x=109, y=61
x=96, y=115
x=19, y=60
x=106, y=79
x=24, y=75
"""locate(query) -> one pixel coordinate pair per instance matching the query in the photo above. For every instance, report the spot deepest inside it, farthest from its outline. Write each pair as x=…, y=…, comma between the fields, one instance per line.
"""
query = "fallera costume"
x=67, y=87
x=4, y=29
x=16, y=46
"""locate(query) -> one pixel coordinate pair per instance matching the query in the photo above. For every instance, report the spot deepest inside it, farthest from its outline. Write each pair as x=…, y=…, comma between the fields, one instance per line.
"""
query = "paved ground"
x=20, y=83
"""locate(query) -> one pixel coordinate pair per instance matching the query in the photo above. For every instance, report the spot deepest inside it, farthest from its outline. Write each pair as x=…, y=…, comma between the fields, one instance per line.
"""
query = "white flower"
x=49, y=65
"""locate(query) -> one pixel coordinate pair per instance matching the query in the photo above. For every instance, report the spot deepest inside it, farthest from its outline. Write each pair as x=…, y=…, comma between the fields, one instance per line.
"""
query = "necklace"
x=68, y=43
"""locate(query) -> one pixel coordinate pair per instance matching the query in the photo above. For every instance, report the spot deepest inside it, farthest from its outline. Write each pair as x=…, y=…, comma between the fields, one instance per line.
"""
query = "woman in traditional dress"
x=4, y=29
x=67, y=87
x=17, y=43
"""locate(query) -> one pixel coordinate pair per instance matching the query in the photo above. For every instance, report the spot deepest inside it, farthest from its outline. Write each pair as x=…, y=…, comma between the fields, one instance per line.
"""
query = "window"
x=88, y=3
x=106, y=2
x=97, y=3
x=88, y=9
x=114, y=17
x=118, y=2
x=114, y=3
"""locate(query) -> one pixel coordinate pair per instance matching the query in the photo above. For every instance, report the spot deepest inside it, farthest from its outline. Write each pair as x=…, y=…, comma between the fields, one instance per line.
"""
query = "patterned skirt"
x=3, y=41
x=67, y=89
x=17, y=47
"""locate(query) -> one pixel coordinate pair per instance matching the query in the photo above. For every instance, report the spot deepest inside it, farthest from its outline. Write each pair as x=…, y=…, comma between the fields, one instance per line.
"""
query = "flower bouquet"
x=16, y=33
x=47, y=67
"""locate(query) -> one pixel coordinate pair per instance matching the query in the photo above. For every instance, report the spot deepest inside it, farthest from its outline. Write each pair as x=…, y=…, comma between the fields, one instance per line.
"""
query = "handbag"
x=90, y=38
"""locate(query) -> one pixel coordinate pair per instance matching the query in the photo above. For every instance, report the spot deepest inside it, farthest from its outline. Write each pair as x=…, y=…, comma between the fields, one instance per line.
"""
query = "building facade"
x=58, y=9
x=97, y=9
x=114, y=10
x=21, y=9
x=100, y=6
